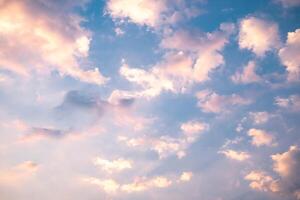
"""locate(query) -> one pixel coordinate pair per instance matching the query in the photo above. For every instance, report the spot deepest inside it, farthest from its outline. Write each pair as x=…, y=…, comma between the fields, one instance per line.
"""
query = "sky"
x=150, y=99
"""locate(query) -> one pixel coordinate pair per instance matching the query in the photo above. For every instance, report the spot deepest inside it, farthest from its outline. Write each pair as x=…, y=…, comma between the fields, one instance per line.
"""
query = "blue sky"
x=149, y=99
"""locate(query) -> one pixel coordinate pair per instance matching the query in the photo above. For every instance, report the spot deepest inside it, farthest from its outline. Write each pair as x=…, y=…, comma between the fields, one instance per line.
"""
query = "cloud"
x=291, y=103
x=143, y=12
x=186, y=176
x=261, y=137
x=35, y=46
x=259, y=180
x=138, y=185
x=113, y=165
x=210, y=101
x=142, y=184
x=287, y=165
x=248, y=75
x=151, y=13
x=258, y=35
x=152, y=82
x=18, y=174
x=260, y=117
x=207, y=47
x=288, y=3
x=235, y=155
x=289, y=55
x=165, y=145
x=108, y=185
x=35, y=134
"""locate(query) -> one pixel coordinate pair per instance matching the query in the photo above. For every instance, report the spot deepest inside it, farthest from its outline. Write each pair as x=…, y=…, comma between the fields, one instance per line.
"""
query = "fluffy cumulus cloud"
x=286, y=165
x=258, y=35
x=247, y=75
x=259, y=180
x=261, y=137
x=210, y=101
x=289, y=55
x=31, y=46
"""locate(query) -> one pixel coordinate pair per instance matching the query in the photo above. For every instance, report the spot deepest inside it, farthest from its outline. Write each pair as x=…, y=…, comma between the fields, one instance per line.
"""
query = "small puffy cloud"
x=289, y=55
x=260, y=117
x=261, y=137
x=235, y=155
x=291, y=103
x=258, y=35
x=210, y=101
x=119, y=31
x=37, y=44
x=117, y=165
x=192, y=129
x=186, y=176
x=248, y=75
x=259, y=180
x=288, y=3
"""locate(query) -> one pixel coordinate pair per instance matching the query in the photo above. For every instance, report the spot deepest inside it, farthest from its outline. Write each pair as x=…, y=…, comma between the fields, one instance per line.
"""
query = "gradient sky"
x=150, y=99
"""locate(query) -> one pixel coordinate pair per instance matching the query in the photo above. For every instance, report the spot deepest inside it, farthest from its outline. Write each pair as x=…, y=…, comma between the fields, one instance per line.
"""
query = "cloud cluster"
x=54, y=42
x=166, y=146
x=210, y=101
x=287, y=166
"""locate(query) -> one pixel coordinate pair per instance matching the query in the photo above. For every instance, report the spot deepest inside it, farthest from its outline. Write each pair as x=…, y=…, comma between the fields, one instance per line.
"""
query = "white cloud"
x=152, y=82
x=210, y=101
x=114, y=165
x=289, y=55
x=142, y=12
x=261, y=137
x=35, y=46
x=258, y=35
x=248, y=75
x=235, y=155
